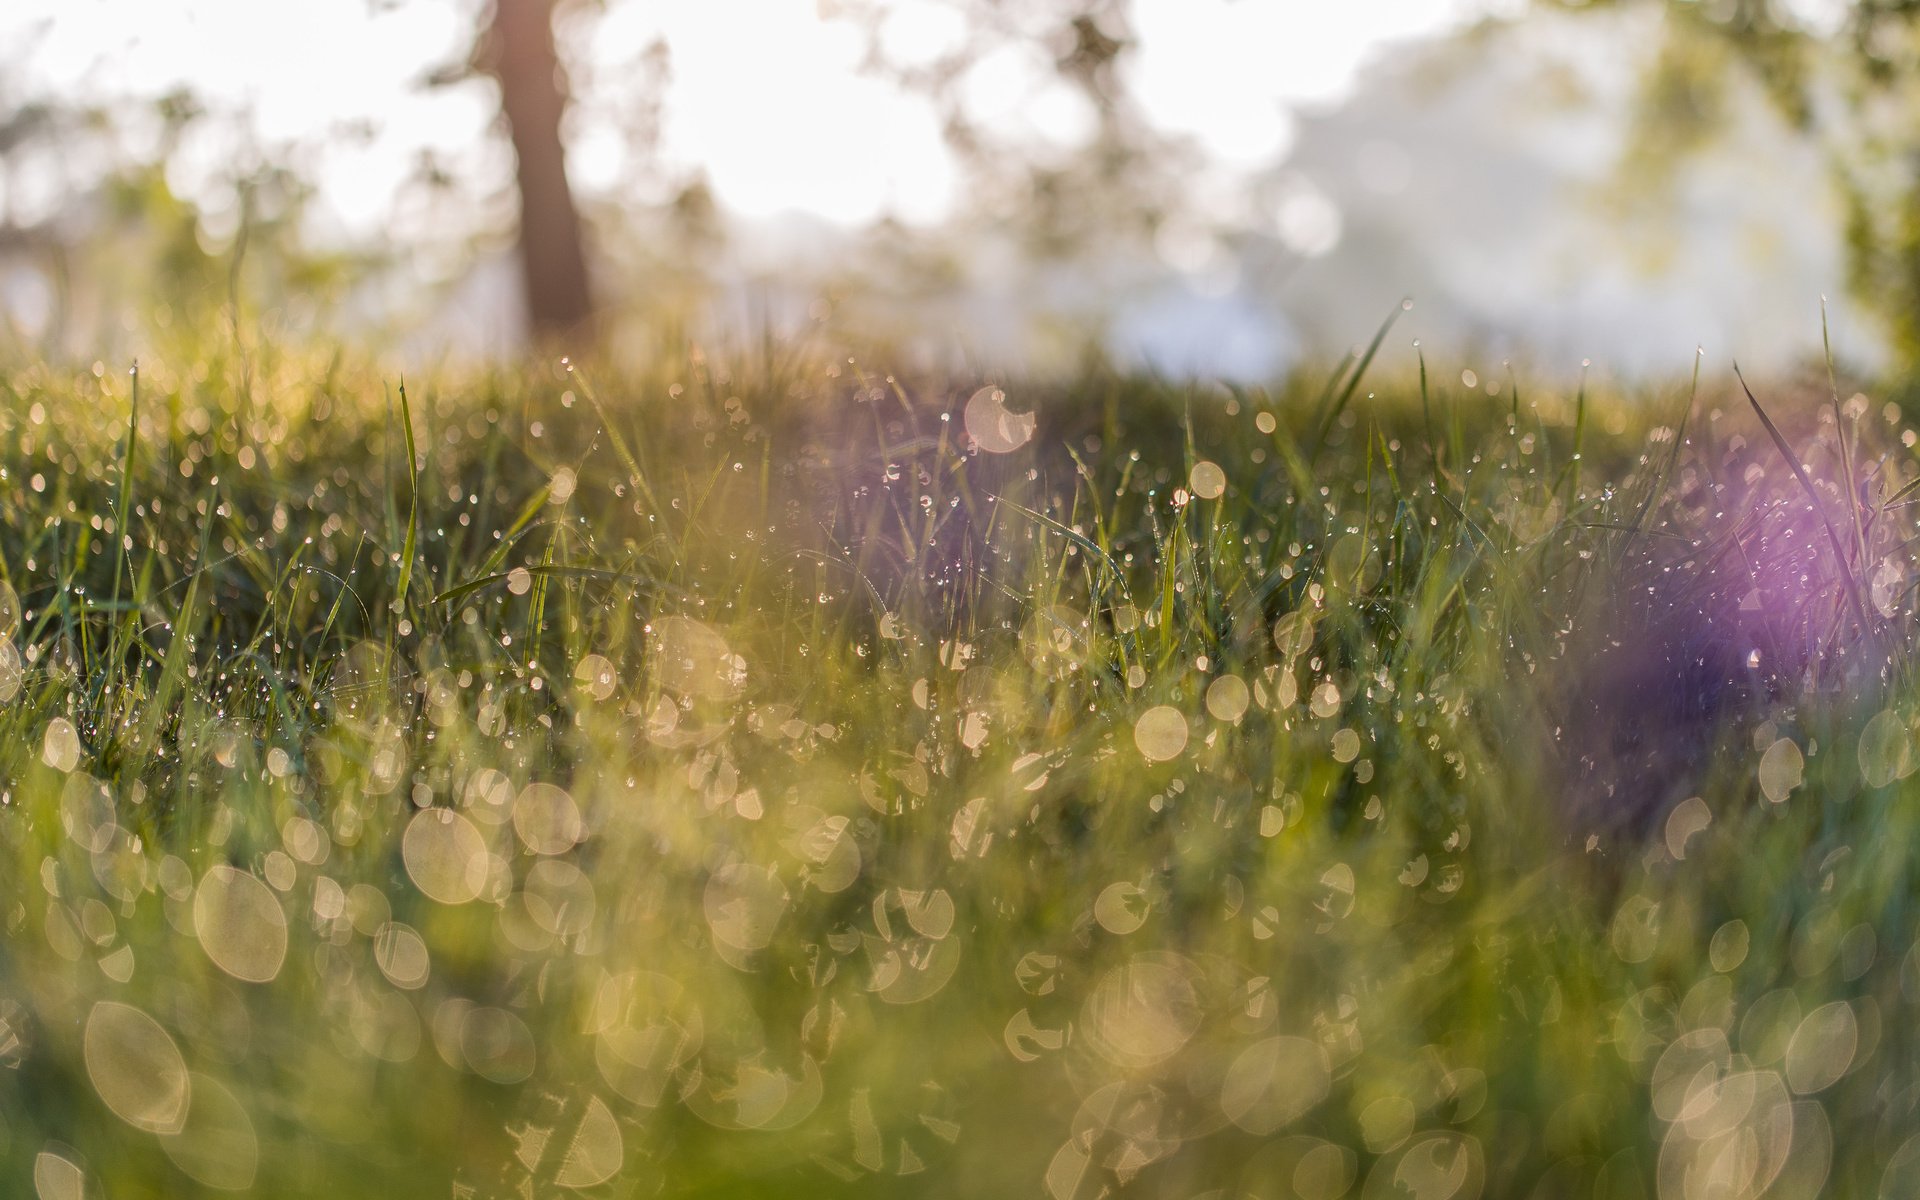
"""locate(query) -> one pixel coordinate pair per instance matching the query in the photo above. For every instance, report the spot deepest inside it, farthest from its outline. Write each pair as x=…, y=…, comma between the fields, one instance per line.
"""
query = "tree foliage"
x=1846, y=82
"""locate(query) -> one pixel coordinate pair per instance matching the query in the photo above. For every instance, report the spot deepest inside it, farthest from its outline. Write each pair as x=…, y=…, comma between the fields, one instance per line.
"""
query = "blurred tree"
x=516, y=48
x=119, y=249
x=1123, y=182
x=1126, y=178
x=1847, y=78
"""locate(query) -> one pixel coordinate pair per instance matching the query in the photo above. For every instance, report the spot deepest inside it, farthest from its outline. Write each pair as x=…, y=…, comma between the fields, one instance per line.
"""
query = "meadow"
x=753, y=773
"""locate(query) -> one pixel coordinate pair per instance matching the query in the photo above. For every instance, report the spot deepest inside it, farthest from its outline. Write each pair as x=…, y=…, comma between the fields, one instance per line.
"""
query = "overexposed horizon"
x=1360, y=178
x=767, y=98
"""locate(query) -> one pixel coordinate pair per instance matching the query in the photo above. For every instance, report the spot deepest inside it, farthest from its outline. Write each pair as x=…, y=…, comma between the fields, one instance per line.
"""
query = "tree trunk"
x=533, y=95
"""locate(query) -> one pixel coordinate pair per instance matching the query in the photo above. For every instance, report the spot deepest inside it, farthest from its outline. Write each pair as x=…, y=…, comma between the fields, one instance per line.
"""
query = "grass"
x=772, y=777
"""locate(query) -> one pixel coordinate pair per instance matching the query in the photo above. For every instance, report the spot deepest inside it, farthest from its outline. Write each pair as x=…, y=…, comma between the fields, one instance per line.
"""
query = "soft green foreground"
x=691, y=784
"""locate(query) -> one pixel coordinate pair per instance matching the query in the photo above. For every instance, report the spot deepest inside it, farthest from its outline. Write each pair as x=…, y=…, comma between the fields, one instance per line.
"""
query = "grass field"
x=756, y=775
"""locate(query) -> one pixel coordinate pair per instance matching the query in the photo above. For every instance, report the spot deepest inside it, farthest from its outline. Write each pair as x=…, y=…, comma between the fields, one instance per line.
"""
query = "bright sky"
x=766, y=96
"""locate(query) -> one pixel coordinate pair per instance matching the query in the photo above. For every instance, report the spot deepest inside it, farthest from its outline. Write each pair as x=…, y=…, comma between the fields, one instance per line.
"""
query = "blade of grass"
x=1906, y=489
x=1813, y=497
x=1572, y=470
x=1324, y=424
x=1658, y=483
x=500, y=551
x=1426, y=416
x=413, y=507
x=1846, y=451
x=1081, y=540
x=110, y=677
x=173, y=668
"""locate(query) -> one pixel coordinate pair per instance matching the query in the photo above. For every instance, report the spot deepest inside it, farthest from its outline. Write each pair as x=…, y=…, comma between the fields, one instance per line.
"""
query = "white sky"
x=766, y=98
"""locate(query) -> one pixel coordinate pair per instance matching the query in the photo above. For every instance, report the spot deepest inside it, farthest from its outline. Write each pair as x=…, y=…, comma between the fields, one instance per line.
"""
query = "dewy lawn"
x=773, y=777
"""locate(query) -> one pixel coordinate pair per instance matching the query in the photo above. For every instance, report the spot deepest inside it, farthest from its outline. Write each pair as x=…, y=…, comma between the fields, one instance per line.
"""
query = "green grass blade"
x=1813, y=498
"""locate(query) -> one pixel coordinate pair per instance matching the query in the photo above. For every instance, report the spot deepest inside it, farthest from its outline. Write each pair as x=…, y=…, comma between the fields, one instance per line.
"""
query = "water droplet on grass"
x=993, y=428
x=13, y=672
x=240, y=924
x=87, y=813
x=646, y=1028
x=1227, y=698
x=1207, y=480
x=56, y=1177
x=1636, y=929
x=1121, y=908
x=1324, y=1171
x=1144, y=1011
x=547, y=820
x=596, y=1151
x=1822, y=1048
x=1886, y=750
x=694, y=660
x=1691, y=816
x=135, y=1067
x=496, y=1045
x=1886, y=586
x=216, y=1146
x=445, y=855
x=401, y=955
x=744, y=904
x=488, y=796
x=1729, y=946
x=559, y=897
x=1386, y=1124
x=1435, y=1166
x=1782, y=769
x=1273, y=1083
x=1902, y=1176
x=594, y=675
x=1160, y=733
x=1352, y=562
x=1345, y=745
x=60, y=746
x=1027, y=1041
x=1118, y=1130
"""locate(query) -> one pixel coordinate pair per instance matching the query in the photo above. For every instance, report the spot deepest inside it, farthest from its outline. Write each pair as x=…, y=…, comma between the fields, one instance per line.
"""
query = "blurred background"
x=1221, y=188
